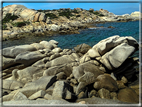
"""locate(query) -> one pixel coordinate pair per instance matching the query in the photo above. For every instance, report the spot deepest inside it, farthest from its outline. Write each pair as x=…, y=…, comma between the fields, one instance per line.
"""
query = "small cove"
x=90, y=36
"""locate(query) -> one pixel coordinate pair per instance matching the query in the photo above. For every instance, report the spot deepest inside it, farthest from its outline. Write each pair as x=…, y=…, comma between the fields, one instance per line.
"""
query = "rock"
x=38, y=46
x=83, y=48
x=38, y=94
x=47, y=45
x=93, y=53
x=117, y=56
x=54, y=27
x=12, y=85
x=128, y=95
x=56, y=55
x=124, y=80
x=65, y=59
x=7, y=62
x=92, y=93
x=7, y=97
x=63, y=90
x=61, y=75
x=15, y=50
x=104, y=93
x=42, y=83
x=19, y=96
x=107, y=82
x=120, y=84
x=74, y=81
x=28, y=73
x=57, y=50
x=80, y=70
x=113, y=95
x=82, y=95
x=28, y=58
x=110, y=27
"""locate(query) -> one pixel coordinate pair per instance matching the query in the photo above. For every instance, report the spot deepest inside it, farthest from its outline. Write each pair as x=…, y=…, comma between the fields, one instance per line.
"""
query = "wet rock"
x=128, y=95
x=38, y=94
x=104, y=93
x=107, y=82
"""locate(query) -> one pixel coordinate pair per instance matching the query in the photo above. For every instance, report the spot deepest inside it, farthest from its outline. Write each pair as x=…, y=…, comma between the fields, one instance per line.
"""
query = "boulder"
x=63, y=90
x=117, y=56
x=83, y=48
x=38, y=46
x=7, y=62
x=47, y=45
x=39, y=94
x=19, y=96
x=54, y=27
x=128, y=95
x=104, y=93
x=65, y=59
x=28, y=58
x=107, y=82
x=80, y=70
x=42, y=83
x=12, y=85
x=15, y=50
x=26, y=75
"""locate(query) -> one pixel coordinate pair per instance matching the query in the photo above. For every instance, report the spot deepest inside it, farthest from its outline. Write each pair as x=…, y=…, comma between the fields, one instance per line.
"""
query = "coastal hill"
x=18, y=20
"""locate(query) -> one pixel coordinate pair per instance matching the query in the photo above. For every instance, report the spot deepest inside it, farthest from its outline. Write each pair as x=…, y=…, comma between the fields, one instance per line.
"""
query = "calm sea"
x=89, y=36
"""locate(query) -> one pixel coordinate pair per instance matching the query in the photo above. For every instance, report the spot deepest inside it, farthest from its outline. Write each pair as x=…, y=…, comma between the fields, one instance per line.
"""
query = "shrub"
x=100, y=15
x=9, y=17
x=91, y=11
x=67, y=13
x=75, y=11
x=20, y=24
x=51, y=15
x=96, y=13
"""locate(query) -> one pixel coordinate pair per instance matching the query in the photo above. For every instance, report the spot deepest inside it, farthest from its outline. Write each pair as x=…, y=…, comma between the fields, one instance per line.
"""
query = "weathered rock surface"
x=105, y=81
x=52, y=74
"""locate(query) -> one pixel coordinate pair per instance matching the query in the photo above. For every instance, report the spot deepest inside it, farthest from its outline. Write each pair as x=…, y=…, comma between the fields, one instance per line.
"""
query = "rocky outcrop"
x=70, y=76
x=62, y=21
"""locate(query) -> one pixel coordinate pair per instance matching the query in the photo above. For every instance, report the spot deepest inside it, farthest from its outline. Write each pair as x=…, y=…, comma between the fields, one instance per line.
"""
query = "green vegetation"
x=66, y=13
x=9, y=17
x=51, y=15
x=96, y=13
x=75, y=11
x=20, y=24
x=43, y=11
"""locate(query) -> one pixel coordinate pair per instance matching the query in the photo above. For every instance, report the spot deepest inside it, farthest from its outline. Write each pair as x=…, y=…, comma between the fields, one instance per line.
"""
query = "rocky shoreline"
x=43, y=73
x=26, y=22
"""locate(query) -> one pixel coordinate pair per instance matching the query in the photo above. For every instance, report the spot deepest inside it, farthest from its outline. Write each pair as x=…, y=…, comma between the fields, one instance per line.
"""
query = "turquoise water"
x=89, y=36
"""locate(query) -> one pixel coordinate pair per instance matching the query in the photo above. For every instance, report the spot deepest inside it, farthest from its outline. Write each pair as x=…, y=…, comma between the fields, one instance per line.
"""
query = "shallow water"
x=89, y=36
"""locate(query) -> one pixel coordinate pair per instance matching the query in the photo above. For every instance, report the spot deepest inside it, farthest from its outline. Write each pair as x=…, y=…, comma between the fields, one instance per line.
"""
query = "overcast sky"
x=116, y=8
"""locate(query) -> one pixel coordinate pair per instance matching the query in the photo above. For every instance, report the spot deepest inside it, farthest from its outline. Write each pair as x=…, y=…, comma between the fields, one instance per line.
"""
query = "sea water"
x=90, y=36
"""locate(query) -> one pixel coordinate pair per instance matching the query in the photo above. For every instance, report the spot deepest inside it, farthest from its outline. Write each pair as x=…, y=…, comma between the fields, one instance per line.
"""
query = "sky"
x=116, y=8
